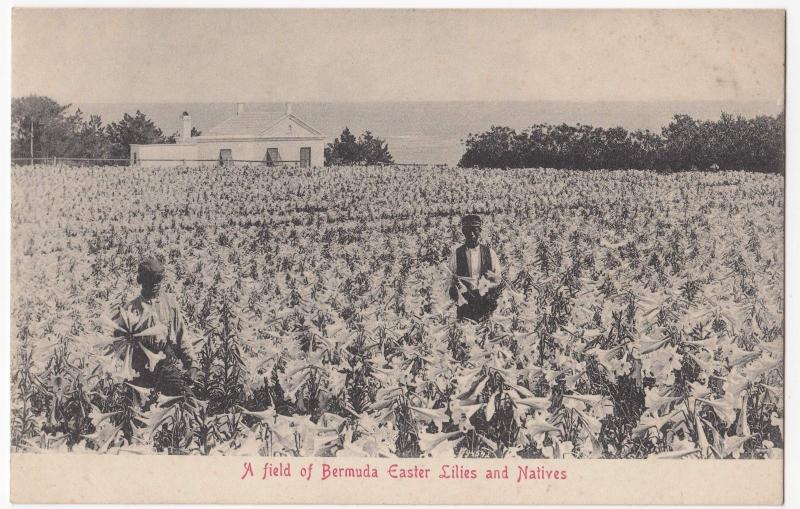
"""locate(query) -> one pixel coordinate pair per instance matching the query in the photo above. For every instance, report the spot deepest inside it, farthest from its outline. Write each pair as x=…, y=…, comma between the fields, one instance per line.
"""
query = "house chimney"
x=186, y=132
x=288, y=108
x=239, y=109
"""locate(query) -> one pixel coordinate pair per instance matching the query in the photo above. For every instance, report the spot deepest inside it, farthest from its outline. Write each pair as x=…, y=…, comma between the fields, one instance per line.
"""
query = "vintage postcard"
x=397, y=256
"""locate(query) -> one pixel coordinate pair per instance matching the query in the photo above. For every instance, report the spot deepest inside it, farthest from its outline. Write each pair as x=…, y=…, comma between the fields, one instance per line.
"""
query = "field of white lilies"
x=643, y=315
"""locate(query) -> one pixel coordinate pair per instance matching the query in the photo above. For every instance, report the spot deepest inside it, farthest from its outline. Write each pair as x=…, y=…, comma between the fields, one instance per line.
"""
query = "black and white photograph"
x=524, y=235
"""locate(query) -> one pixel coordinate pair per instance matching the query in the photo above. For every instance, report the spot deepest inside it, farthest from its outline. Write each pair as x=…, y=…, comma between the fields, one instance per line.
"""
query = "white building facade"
x=246, y=138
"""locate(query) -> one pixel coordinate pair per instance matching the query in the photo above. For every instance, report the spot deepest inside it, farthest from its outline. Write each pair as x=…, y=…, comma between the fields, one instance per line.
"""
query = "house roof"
x=254, y=124
x=251, y=124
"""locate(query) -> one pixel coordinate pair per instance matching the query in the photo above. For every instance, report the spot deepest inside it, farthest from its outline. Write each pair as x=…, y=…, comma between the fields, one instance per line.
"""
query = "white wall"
x=256, y=150
x=168, y=154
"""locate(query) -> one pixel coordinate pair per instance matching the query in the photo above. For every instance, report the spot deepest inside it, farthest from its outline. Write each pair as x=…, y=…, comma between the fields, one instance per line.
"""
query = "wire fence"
x=83, y=161
x=138, y=162
x=56, y=160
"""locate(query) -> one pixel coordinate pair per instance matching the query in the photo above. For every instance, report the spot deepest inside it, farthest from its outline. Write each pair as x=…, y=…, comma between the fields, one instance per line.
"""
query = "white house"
x=249, y=137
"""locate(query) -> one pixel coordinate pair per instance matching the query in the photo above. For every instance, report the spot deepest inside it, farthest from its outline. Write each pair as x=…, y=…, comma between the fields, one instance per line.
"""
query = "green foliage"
x=55, y=132
x=730, y=143
x=343, y=148
x=43, y=128
x=130, y=130
x=367, y=149
x=93, y=139
x=373, y=150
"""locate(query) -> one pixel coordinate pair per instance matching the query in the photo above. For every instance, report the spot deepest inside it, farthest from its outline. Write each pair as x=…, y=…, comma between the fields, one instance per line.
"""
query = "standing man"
x=169, y=347
x=476, y=282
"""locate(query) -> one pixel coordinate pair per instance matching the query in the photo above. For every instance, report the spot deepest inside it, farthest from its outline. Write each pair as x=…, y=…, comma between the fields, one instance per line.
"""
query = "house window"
x=305, y=157
x=273, y=157
x=225, y=156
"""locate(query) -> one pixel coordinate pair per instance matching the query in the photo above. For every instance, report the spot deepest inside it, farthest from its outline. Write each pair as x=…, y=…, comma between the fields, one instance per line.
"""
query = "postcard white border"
x=792, y=452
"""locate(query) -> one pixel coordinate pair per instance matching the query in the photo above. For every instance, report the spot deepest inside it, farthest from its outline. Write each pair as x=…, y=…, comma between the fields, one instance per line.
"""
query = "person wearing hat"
x=165, y=361
x=475, y=283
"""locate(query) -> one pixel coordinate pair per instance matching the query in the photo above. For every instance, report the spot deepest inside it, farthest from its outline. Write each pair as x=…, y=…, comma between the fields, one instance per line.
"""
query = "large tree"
x=41, y=127
x=366, y=149
x=499, y=147
x=343, y=150
x=373, y=150
x=93, y=139
x=137, y=129
x=683, y=143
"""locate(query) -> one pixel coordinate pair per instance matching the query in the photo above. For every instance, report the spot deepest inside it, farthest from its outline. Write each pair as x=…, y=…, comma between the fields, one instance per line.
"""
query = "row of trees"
x=366, y=149
x=731, y=143
x=41, y=127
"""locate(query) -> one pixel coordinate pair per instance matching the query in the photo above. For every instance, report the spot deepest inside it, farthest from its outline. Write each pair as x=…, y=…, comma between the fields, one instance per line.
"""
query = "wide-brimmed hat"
x=151, y=266
x=471, y=220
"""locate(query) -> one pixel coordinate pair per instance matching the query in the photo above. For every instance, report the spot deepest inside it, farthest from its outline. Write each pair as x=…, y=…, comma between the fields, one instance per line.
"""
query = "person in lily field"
x=162, y=357
x=476, y=282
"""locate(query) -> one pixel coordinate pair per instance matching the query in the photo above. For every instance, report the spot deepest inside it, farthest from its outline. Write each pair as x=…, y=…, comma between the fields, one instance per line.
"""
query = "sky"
x=122, y=55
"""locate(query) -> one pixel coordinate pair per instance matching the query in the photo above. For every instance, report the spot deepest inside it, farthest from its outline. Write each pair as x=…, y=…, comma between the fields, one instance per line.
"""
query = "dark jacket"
x=478, y=307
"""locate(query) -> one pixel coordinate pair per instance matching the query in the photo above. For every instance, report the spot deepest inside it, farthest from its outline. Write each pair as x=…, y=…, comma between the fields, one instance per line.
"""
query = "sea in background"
x=433, y=132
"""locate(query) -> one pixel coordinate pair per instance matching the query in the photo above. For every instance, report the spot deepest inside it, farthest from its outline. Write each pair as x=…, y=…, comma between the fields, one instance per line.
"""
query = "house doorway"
x=305, y=157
